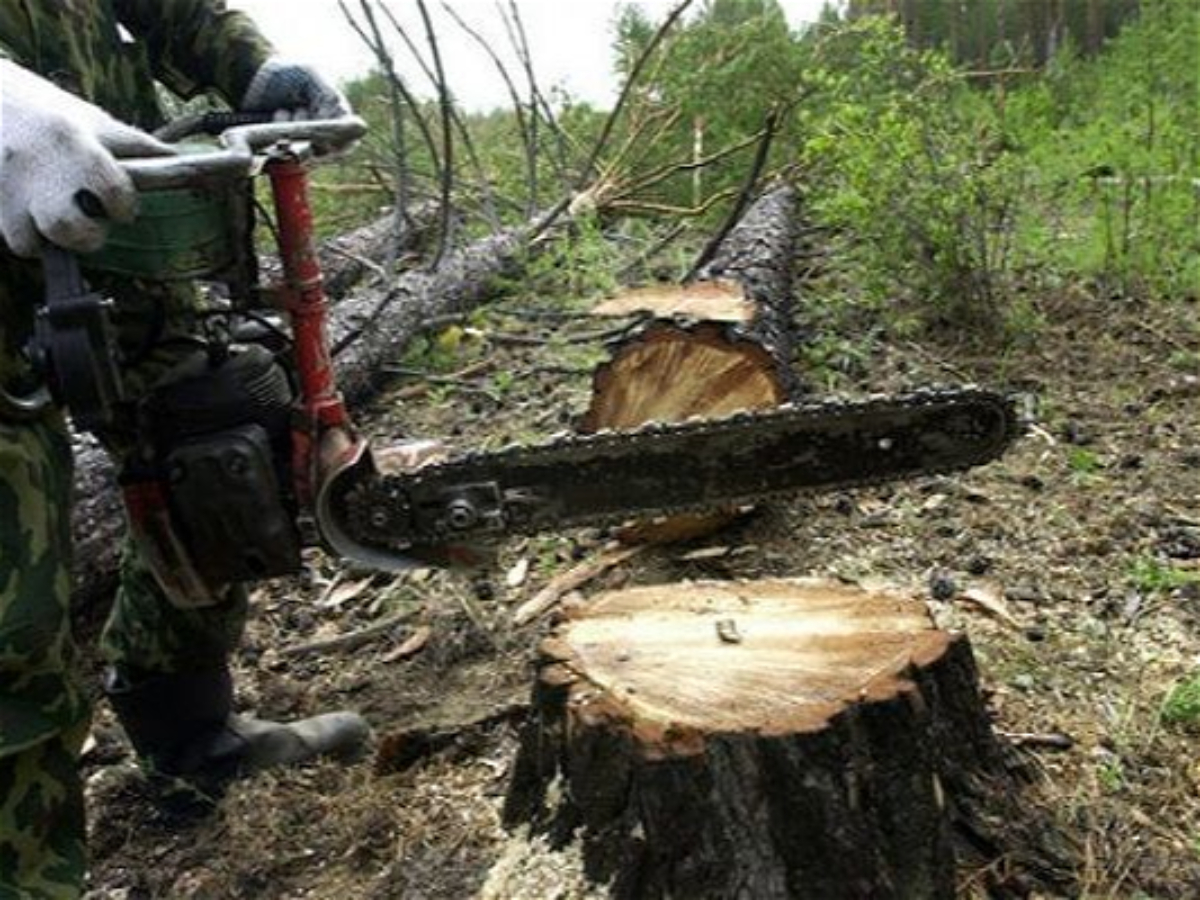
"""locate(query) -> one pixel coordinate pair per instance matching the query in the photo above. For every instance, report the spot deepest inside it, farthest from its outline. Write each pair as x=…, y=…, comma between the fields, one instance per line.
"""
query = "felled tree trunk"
x=711, y=348
x=373, y=330
x=346, y=259
x=768, y=740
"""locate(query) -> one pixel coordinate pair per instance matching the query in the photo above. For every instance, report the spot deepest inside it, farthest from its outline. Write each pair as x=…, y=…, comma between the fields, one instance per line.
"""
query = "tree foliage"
x=987, y=33
x=901, y=157
x=954, y=194
x=1115, y=142
x=714, y=83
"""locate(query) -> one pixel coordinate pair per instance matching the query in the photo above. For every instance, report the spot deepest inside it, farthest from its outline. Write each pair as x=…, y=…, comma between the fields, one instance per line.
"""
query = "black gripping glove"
x=293, y=92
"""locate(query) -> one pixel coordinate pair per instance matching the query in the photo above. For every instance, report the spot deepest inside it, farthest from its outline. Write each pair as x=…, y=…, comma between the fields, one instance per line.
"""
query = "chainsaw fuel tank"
x=202, y=232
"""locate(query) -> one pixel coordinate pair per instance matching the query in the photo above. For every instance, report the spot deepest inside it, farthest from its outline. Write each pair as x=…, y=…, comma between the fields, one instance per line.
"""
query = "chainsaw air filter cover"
x=242, y=385
x=221, y=434
x=227, y=502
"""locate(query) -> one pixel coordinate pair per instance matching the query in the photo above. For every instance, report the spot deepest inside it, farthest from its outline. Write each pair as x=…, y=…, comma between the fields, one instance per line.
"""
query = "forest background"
x=967, y=155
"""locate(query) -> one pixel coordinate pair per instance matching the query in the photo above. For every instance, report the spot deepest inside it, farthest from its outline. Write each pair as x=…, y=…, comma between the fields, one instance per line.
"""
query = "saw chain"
x=440, y=511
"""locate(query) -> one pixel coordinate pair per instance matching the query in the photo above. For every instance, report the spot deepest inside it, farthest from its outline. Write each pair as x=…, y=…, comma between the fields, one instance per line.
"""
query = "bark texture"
x=381, y=326
x=346, y=259
x=767, y=740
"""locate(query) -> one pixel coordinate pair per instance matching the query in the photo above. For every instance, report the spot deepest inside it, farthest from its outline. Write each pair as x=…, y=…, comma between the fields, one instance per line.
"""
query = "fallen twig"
x=1051, y=740
x=990, y=600
x=368, y=264
x=658, y=247
x=709, y=252
x=411, y=646
x=350, y=640
x=516, y=340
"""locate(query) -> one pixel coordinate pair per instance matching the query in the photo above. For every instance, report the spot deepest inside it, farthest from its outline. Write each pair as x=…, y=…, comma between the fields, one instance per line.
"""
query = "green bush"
x=903, y=156
x=1115, y=143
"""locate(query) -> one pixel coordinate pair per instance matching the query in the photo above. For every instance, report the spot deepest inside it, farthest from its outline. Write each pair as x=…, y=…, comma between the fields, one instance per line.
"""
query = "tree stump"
x=759, y=740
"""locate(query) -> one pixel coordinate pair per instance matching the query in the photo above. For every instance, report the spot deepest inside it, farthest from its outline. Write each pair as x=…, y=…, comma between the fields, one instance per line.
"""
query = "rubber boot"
x=183, y=725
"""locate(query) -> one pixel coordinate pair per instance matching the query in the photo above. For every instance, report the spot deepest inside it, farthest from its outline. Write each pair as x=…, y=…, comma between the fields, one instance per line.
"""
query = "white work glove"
x=293, y=91
x=59, y=177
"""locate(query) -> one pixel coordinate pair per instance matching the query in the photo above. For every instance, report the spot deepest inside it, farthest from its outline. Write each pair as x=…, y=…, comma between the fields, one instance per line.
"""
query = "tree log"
x=716, y=344
x=766, y=740
x=713, y=347
x=346, y=259
x=380, y=327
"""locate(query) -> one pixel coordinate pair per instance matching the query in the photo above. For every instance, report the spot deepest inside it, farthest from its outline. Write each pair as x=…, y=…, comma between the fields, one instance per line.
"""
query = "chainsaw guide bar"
x=439, y=513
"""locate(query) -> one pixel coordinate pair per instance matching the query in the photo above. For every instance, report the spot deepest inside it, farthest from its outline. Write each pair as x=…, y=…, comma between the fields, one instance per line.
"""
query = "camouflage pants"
x=43, y=711
x=43, y=714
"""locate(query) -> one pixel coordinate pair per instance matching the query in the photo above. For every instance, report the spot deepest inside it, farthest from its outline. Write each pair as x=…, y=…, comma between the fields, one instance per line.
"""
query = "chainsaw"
x=250, y=454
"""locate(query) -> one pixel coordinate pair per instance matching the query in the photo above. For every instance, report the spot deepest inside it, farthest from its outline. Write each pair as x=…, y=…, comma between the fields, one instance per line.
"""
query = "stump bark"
x=710, y=348
x=772, y=739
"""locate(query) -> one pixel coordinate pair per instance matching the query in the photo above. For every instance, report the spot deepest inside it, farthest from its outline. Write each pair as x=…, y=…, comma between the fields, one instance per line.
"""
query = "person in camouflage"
x=169, y=677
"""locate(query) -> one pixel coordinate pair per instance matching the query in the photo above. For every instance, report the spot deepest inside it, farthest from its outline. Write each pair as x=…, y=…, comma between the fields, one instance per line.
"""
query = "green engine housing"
x=185, y=234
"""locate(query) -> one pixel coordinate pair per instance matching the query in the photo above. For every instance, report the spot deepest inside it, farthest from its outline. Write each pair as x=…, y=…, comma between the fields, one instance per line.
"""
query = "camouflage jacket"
x=111, y=52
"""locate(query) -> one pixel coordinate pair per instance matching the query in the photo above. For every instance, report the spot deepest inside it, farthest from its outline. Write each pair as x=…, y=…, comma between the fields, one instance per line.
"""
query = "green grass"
x=1182, y=704
x=1153, y=576
x=1084, y=462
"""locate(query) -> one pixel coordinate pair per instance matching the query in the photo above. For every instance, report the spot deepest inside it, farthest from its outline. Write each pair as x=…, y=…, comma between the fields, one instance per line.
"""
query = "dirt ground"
x=1083, y=543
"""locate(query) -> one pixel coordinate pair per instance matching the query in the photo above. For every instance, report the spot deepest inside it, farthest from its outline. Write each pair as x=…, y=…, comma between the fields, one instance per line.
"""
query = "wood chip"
x=412, y=645
x=341, y=592
x=990, y=600
x=515, y=577
x=1050, y=741
x=571, y=580
x=705, y=553
x=349, y=640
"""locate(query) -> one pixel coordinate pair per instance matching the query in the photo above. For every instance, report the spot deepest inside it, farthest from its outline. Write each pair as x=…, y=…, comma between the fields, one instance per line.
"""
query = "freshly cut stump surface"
x=768, y=739
x=718, y=300
x=776, y=657
x=673, y=372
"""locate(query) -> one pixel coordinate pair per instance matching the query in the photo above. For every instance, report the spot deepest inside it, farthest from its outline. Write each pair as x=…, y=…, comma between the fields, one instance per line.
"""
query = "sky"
x=571, y=41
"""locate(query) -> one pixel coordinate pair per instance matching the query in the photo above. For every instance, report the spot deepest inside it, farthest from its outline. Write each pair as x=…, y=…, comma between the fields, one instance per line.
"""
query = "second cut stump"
x=766, y=739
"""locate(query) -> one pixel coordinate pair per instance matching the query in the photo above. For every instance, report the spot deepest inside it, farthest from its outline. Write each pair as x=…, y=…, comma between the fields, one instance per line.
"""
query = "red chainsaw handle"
x=322, y=434
x=322, y=428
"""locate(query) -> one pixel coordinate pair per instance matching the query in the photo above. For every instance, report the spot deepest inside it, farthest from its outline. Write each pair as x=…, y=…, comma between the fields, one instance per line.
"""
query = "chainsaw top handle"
x=240, y=144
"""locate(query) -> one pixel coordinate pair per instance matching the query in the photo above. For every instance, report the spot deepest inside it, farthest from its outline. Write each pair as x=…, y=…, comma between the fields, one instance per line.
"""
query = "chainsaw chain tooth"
x=468, y=471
